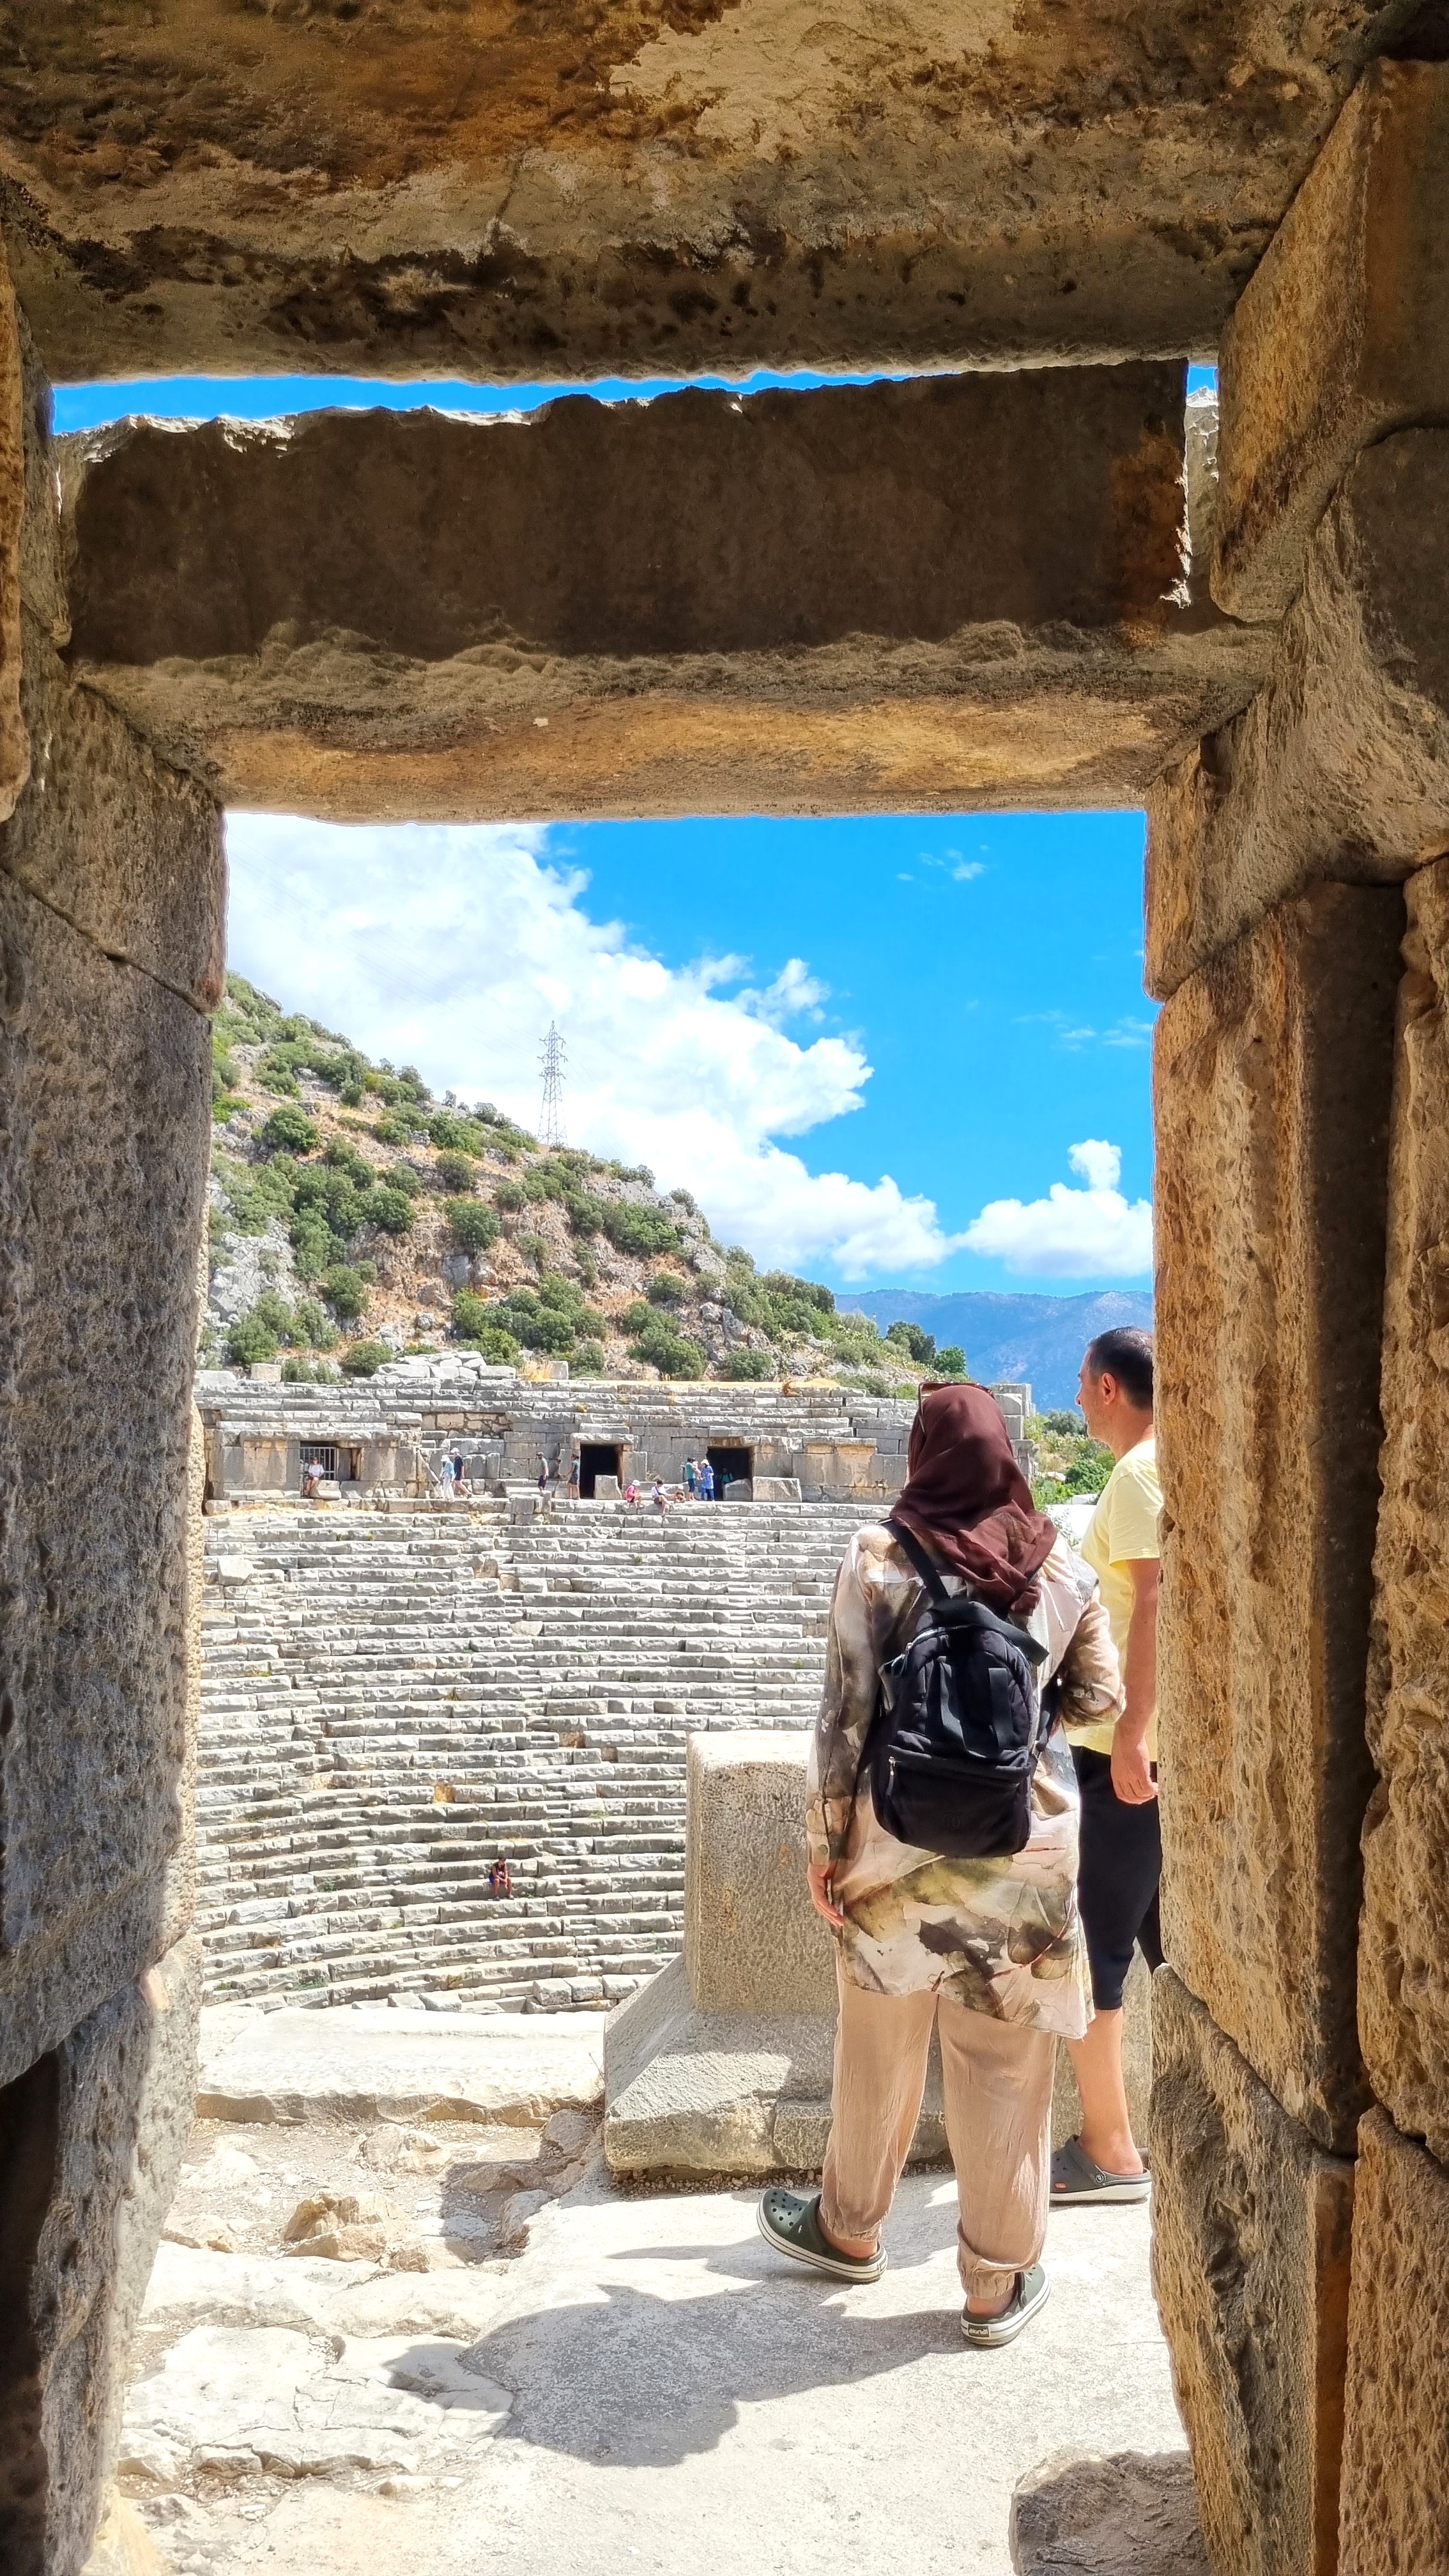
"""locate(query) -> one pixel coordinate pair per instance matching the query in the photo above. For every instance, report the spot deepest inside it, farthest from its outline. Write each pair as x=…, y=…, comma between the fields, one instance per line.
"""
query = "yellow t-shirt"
x=1121, y=1532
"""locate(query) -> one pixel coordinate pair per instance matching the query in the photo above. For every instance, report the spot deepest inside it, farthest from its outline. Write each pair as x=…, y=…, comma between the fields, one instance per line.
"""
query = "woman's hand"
x=820, y=1877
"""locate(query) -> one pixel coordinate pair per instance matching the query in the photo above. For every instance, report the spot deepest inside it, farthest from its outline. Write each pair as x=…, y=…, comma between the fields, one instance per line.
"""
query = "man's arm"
x=1131, y=1769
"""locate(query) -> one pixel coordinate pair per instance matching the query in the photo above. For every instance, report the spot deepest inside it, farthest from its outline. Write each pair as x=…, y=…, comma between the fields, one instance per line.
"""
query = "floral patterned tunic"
x=1002, y=1936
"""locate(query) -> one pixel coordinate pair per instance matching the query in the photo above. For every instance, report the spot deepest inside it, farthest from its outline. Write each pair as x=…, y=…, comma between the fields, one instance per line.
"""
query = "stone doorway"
x=731, y=1466
x=596, y=1458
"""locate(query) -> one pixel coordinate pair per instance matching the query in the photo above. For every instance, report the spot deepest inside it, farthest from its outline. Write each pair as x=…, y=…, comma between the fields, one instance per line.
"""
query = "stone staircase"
x=395, y=1699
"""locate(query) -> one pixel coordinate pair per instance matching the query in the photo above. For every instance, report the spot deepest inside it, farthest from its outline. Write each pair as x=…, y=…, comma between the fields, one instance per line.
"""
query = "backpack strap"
x=920, y=1560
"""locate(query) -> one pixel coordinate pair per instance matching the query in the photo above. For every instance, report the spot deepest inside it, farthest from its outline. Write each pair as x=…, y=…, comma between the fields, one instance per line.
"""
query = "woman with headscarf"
x=990, y=1949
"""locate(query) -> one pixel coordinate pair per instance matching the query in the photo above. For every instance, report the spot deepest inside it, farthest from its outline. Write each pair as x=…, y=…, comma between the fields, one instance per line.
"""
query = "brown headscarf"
x=967, y=1500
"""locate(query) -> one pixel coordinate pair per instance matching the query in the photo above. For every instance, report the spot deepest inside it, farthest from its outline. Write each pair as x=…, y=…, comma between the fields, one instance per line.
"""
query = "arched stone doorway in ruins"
x=784, y=605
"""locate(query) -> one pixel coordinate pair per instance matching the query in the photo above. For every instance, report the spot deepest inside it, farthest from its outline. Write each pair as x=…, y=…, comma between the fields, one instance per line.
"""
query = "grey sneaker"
x=1032, y=2291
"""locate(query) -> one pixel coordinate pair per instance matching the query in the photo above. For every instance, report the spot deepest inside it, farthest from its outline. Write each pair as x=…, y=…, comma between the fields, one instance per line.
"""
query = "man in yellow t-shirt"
x=1121, y=1837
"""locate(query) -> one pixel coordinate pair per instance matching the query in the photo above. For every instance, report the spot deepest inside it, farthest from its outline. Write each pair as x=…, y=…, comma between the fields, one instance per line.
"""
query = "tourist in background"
x=573, y=1479
x=990, y=1948
x=691, y=1479
x=1116, y=1760
x=706, y=1481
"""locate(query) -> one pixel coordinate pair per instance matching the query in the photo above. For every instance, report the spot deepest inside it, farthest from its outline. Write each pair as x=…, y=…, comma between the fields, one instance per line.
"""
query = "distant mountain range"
x=1040, y=1339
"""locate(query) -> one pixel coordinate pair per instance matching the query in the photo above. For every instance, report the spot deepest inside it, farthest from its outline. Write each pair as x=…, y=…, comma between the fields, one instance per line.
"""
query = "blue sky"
x=889, y=1051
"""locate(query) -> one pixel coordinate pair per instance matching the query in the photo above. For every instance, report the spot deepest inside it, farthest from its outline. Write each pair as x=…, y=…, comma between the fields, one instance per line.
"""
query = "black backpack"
x=959, y=1723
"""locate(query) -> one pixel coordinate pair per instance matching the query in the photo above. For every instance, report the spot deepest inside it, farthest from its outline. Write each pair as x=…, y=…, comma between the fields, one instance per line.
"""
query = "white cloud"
x=1071, y=1234
x=452, y=947
x=1099, y=1164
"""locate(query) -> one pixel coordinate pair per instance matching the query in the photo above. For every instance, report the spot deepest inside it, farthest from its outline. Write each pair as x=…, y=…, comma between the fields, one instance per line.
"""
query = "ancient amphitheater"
x=399, y=1693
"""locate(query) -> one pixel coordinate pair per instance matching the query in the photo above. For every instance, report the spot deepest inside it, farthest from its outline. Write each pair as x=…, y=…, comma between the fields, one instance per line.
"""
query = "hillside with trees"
x=354, y=1216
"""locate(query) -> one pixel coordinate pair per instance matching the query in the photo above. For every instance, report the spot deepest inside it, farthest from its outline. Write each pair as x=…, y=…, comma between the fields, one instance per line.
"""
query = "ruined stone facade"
x=620, y=188
x=390, y=1436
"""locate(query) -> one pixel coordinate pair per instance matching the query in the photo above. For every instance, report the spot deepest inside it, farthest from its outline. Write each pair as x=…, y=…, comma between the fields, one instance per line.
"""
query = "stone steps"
x=544, y=1671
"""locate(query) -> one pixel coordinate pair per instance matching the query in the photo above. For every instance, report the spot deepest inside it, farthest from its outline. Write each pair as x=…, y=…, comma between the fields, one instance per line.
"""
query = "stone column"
x=1302, y=1088
x=111, y=920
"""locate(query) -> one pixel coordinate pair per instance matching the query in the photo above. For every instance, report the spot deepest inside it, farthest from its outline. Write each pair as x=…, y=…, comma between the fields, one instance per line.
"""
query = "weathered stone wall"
x=1273, y=1076
x=1303, y=1090
x=110, y=957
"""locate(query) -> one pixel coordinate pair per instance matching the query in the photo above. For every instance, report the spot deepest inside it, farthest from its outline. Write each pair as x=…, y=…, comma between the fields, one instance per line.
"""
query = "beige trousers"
x=998, y=2100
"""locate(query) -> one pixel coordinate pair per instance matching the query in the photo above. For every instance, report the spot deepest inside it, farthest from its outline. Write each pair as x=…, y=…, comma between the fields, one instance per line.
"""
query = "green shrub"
x=364, y=1359
x=666, y=1288
x=309, y=1372
x=509, y=1197
x=345, y=1290
x=918, y=1346
x=225, y=1071
x=248, y=1339
x=1065, y=1426
x=391, y=1209
x=588, y=1269
x=457, y=1173
x=582, y=1213
x=224, y=1106
x=475, y=1322
x=744, y=1365
x=666, y=1349
x=472, y=1224
x=588, y=1360
x=289, y=1131
x=401, y=1176
x=951, y=1362
x=638, y=1316
x=636, y=1230
x=533, y=1248
x=310, y=1325
x=400, y=1125
x=453, y=1133
x=341, y=1155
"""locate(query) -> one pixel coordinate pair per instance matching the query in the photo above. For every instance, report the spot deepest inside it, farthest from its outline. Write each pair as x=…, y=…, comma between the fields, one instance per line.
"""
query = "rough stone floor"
x=484, y=2353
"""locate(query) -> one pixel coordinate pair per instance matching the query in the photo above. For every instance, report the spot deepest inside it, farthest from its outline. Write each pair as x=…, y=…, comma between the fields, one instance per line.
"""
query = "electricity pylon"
x=551, y=1065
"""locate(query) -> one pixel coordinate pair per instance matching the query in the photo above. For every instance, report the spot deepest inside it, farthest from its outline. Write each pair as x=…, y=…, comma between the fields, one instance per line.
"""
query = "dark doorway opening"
x=730, y=1465
x=596, y=1458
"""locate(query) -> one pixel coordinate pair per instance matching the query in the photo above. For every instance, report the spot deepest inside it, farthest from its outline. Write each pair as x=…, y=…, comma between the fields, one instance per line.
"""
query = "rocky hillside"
x=354, y=1216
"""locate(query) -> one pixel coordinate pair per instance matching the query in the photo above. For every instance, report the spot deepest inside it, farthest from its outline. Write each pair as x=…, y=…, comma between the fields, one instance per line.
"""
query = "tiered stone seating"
x=394, y=1700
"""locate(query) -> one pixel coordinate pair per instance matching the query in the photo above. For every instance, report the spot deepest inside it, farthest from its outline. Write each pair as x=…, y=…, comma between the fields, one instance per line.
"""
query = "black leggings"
x=1121, y=1864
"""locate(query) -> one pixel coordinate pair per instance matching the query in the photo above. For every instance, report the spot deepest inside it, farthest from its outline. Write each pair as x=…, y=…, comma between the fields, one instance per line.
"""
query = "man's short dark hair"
x=1125, y=1353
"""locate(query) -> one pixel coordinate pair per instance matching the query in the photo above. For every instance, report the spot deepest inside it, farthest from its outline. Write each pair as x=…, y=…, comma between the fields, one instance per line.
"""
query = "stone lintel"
x=1341, y=335
x=1404, y=1941
x=1251, y=2242
x=1340, y=766
x=966, y=587
x=1274, y=1067
x=1395, y=2508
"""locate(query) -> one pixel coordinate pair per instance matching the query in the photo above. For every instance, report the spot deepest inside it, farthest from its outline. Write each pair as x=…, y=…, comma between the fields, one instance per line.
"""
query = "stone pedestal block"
x=1340, y=766
x=753, y=1942
x=1273, y=1081
x=1251, y=2267
x=1341, y=334
x=723, y=2063
x=1404, y=1944
x=1395, y=2515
